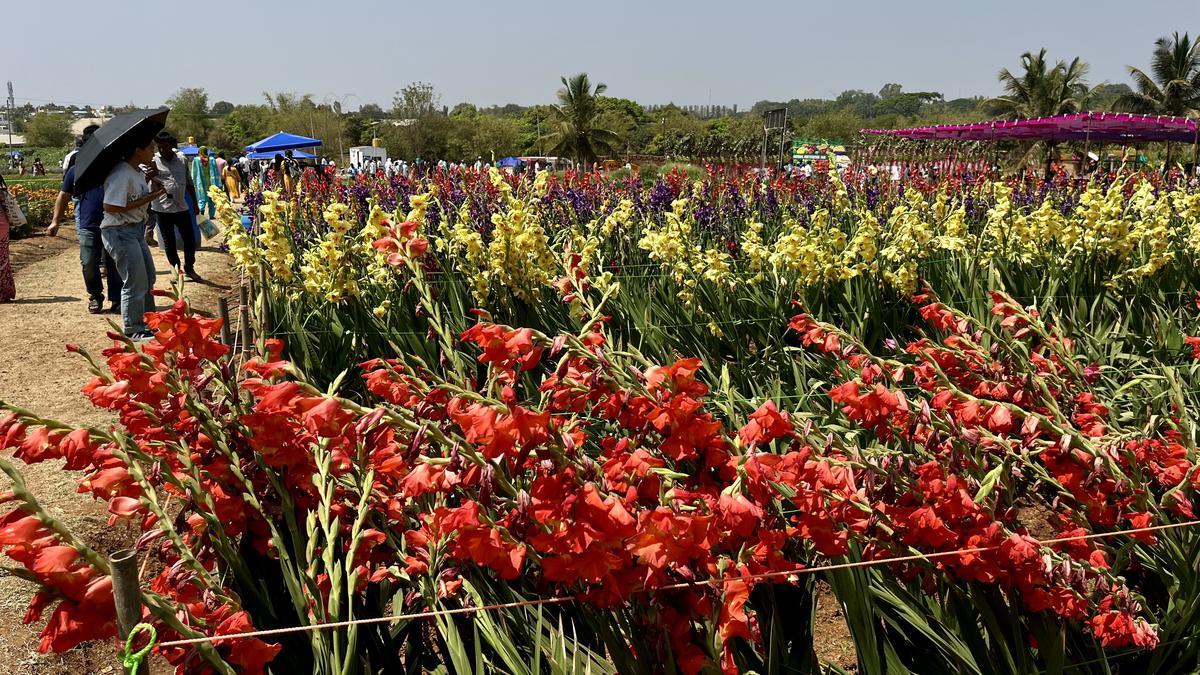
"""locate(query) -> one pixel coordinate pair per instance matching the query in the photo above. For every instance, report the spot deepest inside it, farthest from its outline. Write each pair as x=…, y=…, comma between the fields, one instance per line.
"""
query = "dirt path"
x=36, y=372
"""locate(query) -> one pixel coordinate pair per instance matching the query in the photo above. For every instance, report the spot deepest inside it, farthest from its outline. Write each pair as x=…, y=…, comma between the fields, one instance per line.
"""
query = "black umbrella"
x=103, y=150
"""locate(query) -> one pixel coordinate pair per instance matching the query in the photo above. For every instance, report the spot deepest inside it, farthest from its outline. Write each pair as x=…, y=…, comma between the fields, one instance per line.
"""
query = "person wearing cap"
x=171, y=209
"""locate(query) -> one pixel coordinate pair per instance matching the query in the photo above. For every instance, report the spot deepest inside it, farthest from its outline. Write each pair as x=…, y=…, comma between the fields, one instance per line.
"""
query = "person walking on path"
x=233, y=181
x=204, y=176
x=8, y=289
x=89, y=211
x=127, y=199
x=171, y=209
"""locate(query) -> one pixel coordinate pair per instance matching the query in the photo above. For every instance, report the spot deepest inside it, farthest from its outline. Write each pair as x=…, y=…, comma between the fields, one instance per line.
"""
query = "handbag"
x=16, y=217
x=207, y=227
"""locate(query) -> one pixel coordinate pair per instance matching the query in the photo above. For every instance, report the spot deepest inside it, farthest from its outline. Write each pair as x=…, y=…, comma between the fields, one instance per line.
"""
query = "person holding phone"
x=128, y=191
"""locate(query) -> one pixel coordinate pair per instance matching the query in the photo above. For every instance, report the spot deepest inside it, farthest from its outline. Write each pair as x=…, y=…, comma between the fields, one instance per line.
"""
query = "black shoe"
x=115, y=309
x=142, y=336
x=191, y=274
x=95, y=306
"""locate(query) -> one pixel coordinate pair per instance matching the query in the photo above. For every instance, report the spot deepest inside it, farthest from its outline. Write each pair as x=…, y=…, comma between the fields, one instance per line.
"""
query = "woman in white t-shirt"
x=128, y=191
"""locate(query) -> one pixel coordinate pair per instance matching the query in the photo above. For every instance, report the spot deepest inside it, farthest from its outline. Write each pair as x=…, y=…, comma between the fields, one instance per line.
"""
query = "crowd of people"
x=16, y=163
x=154, y=196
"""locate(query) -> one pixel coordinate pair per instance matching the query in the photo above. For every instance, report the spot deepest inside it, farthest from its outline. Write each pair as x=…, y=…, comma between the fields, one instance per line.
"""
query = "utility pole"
x=10, y=113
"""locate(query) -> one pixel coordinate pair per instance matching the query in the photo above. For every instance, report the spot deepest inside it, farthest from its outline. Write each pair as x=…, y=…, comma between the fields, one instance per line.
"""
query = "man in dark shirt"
x=89, y=209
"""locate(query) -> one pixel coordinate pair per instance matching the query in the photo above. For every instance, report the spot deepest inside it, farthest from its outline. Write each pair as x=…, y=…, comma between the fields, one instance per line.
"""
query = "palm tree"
x=576, y=130
x=1173, y=85
x=1043, y=91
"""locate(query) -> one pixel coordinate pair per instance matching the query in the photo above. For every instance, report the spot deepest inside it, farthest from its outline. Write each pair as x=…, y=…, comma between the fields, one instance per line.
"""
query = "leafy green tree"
x=48, y=129
x=189, y=114
x=671, y=131
x=840, y=125
x=303, y=115
x=423, y=131
x=862, y=103
x=1172, y=87
x=474, y=135
x=221, y=108
x=415, y=101
x=426, y=138
x=246, y=124
x=575, y=130
x=531, y=125
x=1105, y=95
x=372, y=110
x=903, y=103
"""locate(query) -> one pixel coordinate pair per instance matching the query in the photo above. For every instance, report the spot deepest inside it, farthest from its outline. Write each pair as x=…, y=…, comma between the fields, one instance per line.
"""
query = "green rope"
x=133, y=660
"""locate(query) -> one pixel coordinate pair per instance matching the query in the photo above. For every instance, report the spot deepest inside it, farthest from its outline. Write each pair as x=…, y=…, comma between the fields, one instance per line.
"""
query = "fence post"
x=244, y=319
x=127, y=595
x=223, y=312
x=264, y=308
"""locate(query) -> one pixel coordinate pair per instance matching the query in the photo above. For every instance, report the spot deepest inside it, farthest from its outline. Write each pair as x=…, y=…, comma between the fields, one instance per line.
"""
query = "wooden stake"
x=223, y=312
x=264, y=309
x=127, y=595
x=244, y=319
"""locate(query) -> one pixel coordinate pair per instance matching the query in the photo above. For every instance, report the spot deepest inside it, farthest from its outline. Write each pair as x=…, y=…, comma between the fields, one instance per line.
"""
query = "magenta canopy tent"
x=1096, y=127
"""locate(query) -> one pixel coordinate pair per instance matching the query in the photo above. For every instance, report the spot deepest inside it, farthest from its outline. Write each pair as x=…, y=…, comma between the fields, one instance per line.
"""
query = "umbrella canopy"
x=510, y=161
x=189, y=150
x=103, y=150
x=16, y=153
x=283, y=141
x=296, y=154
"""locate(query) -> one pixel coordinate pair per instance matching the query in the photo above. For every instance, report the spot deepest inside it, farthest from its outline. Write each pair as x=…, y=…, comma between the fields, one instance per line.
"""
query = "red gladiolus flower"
x=1194, y=343
x=1119, y=629
x=250, y=654
x=765, y=425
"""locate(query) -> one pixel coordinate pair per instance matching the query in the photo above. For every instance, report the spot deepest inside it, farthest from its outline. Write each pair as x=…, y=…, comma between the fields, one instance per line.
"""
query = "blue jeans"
x=127, y=246
x=91, y=256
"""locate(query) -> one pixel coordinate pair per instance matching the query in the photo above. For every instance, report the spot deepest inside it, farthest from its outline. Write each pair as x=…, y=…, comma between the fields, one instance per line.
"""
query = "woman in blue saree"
x=204, y=176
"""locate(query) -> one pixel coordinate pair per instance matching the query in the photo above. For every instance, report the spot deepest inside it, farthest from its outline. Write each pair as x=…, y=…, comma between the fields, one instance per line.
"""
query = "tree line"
x=586, y=124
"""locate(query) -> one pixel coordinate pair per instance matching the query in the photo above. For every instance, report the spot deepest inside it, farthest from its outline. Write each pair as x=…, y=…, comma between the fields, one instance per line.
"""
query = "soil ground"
x=37, y=373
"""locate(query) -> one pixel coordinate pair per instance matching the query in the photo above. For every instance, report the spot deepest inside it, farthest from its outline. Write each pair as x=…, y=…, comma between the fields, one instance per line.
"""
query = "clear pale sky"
x=653, y=51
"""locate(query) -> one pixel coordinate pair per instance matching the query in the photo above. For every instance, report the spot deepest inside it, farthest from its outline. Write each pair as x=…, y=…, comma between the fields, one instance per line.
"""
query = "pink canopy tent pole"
x=1195, y=151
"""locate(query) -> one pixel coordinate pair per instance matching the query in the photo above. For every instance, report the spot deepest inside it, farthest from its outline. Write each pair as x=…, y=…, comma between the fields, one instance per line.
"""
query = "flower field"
x=574, y=423
x=37, y=203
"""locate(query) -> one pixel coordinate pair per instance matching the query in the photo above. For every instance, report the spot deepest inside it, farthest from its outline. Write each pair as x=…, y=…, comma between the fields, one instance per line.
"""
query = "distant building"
x=363, y=153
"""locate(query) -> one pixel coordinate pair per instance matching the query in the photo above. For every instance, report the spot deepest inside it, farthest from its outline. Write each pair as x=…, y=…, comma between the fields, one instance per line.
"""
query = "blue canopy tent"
x=189, y=150
x=283, y=141
x=510, y=162
x=298, y=154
